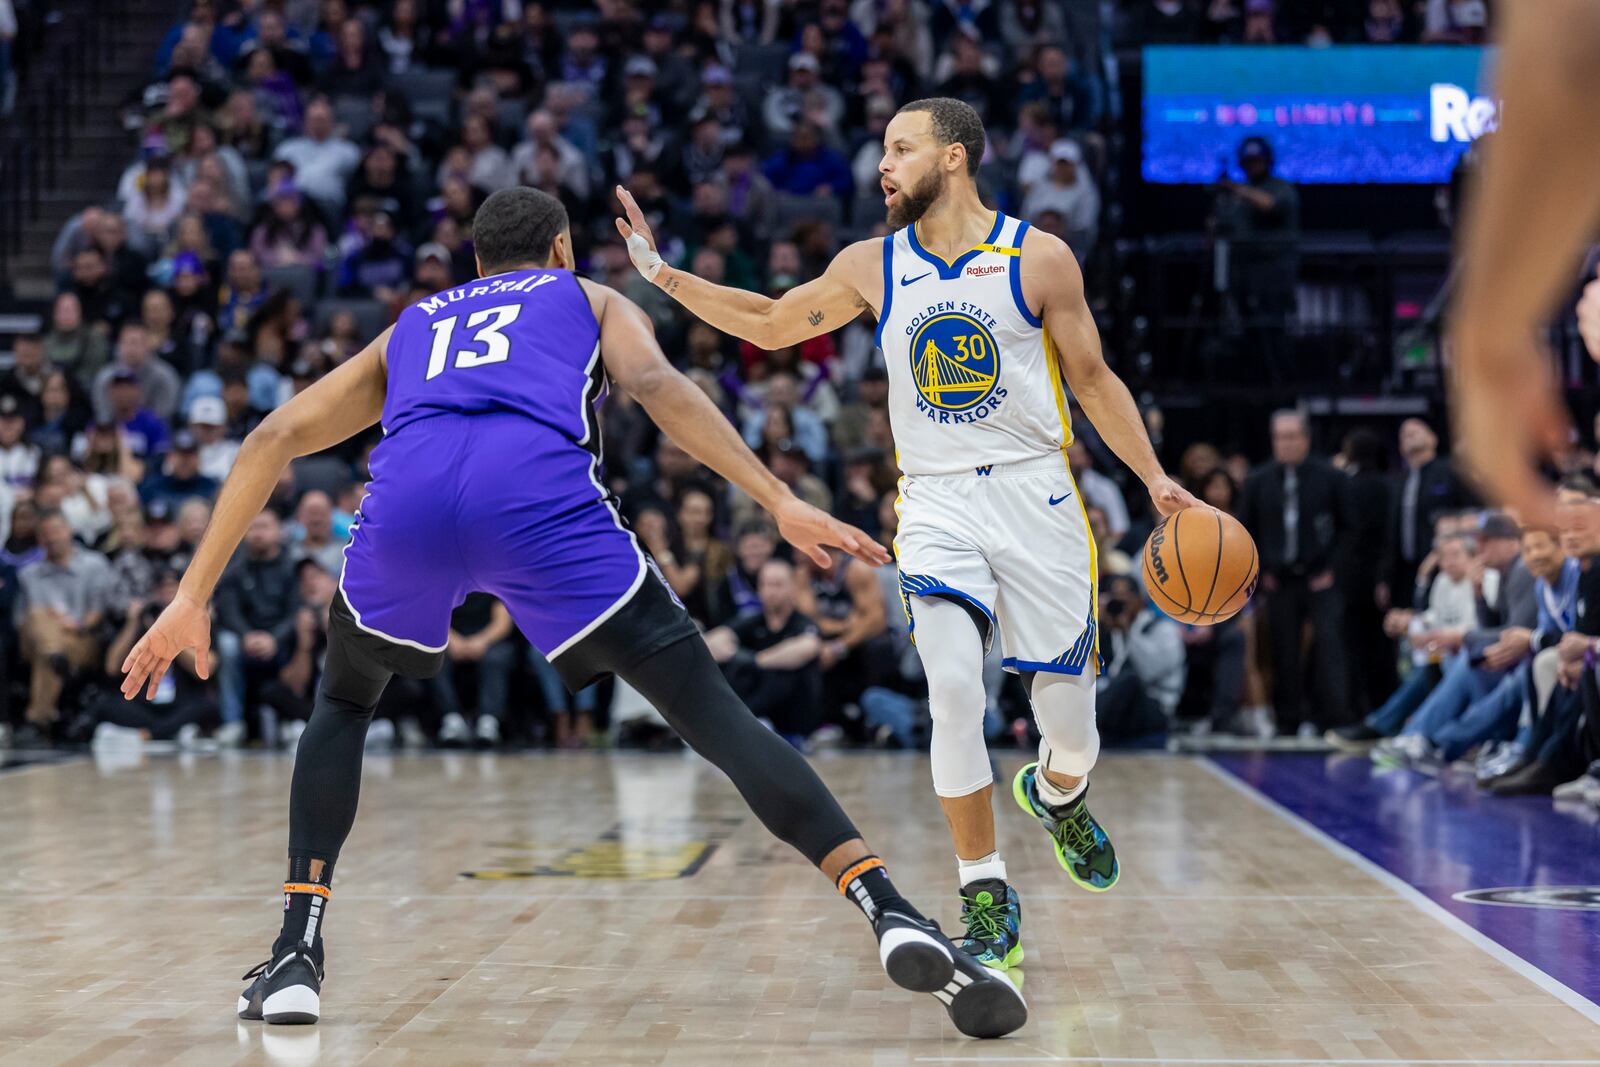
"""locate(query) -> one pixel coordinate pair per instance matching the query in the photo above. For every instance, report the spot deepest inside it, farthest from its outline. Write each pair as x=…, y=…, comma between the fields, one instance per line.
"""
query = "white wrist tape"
x=647, y=259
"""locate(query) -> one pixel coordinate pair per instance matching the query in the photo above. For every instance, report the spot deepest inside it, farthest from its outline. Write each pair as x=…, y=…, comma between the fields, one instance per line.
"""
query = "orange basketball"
x=1200, y=566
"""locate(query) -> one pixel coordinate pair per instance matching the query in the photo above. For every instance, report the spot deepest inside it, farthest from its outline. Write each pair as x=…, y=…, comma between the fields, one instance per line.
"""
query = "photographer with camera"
x=1142, y=663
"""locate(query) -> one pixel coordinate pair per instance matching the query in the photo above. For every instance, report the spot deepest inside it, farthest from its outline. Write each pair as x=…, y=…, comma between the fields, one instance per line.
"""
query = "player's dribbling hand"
x=814, y=531
x=186, y=623
x=1169, y=497
x=636, y=231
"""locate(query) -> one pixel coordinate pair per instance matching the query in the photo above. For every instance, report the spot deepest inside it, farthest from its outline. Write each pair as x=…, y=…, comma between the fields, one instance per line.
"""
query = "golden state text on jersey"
x=973, y=379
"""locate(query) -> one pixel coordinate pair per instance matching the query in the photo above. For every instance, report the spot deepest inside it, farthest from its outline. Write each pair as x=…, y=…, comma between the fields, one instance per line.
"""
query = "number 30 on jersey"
x=490, y=322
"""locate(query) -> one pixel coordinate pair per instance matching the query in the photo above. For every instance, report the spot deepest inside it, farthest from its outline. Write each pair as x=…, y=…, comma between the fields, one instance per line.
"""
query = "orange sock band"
x=856, y=870
x=308, y=887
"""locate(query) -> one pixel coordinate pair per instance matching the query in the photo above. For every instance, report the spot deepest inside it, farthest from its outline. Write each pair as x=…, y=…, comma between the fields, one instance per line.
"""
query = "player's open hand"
x=636, y=231
x=814, y=531
x=186, y=623
x=1589, y=318
x=1169, y=497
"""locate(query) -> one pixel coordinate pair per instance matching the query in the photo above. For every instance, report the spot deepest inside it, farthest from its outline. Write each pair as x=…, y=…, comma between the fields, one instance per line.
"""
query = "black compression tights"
x=681, y=680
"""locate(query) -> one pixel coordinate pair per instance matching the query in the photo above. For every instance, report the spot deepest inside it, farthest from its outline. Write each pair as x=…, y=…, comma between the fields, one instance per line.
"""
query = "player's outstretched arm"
x=817, y=307
x=1050, y=271
x=1533, y=211
x=345, y=402
x=686, y=415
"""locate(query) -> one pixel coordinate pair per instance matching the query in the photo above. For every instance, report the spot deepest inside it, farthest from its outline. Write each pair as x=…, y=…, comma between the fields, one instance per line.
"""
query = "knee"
x=955, y=690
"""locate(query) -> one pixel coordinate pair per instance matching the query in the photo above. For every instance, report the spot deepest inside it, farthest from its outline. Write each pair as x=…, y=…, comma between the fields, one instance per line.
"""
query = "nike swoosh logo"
x=907, y=281
x=1058, y=499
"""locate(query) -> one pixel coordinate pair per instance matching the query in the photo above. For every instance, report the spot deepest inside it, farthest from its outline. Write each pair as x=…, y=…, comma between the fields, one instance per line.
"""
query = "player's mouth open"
x=889, y=192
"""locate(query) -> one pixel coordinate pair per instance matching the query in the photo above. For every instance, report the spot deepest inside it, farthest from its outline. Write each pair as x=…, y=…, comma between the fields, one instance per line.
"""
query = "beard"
x=915, y=202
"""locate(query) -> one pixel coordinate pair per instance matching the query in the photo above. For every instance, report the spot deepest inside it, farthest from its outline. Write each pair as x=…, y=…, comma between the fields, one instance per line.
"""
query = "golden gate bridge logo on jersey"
x=955, y=363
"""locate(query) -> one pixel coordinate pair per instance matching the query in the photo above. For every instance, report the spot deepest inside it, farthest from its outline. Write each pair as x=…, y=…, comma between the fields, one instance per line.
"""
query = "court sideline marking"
x=1415, y=897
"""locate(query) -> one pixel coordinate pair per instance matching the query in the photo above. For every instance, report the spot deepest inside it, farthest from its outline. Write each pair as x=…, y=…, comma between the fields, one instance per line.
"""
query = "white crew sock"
x=1055, y=796
x=990, y=866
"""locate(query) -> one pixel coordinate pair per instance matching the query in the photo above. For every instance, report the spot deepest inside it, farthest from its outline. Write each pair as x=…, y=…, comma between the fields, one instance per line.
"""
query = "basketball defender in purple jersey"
x=488, y=478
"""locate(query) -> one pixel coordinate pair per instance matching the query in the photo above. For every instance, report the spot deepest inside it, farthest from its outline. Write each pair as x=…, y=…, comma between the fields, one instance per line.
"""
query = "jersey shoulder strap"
x=1018, y=232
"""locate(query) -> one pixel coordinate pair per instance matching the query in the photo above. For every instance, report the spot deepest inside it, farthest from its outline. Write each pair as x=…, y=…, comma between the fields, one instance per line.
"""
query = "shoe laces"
x=258, y=970
x=985, y=915
x=1077, y=828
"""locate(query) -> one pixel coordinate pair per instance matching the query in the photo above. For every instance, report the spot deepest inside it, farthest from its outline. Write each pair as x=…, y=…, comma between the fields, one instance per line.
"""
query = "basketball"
x=1200, y=566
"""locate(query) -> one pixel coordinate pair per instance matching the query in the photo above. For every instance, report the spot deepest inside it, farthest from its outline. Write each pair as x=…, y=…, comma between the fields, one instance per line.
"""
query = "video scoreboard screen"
x=1394, y=114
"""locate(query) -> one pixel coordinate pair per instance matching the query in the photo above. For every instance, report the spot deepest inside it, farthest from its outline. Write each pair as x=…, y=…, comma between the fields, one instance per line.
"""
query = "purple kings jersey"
x=521, y=343
x=488, y=474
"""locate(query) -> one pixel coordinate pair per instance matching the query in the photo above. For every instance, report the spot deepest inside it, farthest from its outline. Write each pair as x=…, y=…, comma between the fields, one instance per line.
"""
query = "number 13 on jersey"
x=491, y=321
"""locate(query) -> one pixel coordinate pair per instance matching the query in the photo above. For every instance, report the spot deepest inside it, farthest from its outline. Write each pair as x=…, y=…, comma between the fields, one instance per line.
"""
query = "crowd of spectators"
x=305, y=170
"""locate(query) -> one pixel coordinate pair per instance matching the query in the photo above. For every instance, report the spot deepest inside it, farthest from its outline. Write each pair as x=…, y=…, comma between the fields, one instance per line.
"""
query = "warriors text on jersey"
x=973, y=379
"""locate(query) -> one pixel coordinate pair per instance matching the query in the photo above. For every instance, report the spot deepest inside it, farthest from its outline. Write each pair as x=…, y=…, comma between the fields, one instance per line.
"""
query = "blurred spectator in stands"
x=85, y=499
x=107, y=448
x=158, y=317
x=781, y=397
x=719, y=101
x=159, y=384
x=274, y=35
x=140, y=430
x=1372, y=654
x=969, y=74
x=809, y=167
x=242, y=127
x=72, y=343
x=1142, y=657
x=19, y=460
x=323, y=161
x=1427, y=488
x=1260, y=22
x=1455, y=22
x=480, y=646
x=101, y=299
x=770, y=656
x=1296, y=508
x=63, y=601
x=571, y=168
x=62, y=415
x=243, y=293
x=355, y=69
x=224, y=231
x=1099, y=490
x=1071, y=98
x=21, y=546
x=847, y=604
x=128, y=266
x=803, y=98
x=257, y=599
x=696, y=560
x=860, y=488
x=1261, y=218
x=312, y=536
x=181, y=477
x=1110, y=558
x=291, y=233
x=380, y=268
x=152, y=212
x=1067, y=189
x=385, y=181
x=404, y=35
x=25, y=380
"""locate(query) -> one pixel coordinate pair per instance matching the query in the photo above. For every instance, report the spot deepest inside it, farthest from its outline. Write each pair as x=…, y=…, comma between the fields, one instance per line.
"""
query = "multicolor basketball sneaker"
x=1082, y=847
x=993, y=917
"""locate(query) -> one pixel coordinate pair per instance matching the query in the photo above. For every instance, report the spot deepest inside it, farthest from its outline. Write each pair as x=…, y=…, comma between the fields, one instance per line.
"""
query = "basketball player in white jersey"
x=980, y=318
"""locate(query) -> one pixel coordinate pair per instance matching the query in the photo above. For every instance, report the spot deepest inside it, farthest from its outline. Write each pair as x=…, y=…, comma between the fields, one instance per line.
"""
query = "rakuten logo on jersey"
x=1455, y=115
x=980, y=271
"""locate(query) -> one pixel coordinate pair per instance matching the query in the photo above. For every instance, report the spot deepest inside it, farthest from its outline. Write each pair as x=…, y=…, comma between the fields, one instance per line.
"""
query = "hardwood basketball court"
x=613, y=909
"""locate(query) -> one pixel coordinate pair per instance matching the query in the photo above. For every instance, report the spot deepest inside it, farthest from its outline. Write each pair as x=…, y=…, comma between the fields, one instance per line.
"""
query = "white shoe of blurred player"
x=453, y=730
x=380, y=734
x=1585, y=788
x=229, y=734
x=289, y=732
x=488, y=731
x=411, y=735
x=108, y=735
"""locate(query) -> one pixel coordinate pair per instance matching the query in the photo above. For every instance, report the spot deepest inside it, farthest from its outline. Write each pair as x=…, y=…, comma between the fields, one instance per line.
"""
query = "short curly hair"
x=954, y=122
x=515, y=227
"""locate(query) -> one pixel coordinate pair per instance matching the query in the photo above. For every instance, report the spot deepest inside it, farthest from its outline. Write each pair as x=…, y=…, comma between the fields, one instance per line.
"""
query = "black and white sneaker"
x=917, y=956
x=286, y=989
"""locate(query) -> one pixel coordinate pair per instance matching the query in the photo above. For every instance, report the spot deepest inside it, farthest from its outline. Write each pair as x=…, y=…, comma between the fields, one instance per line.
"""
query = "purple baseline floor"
x=1443, y=837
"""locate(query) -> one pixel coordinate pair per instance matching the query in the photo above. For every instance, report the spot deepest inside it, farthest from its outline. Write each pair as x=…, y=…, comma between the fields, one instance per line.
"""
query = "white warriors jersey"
x=973, y=378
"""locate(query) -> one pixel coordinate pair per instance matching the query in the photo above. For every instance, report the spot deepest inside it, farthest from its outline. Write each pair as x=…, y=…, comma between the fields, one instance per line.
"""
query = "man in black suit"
x=1427, y=488
x=1296, y=509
